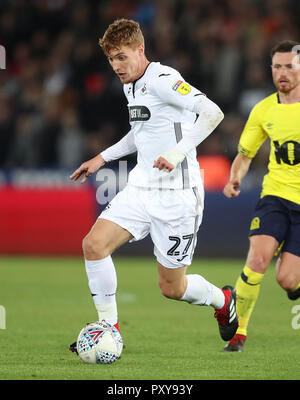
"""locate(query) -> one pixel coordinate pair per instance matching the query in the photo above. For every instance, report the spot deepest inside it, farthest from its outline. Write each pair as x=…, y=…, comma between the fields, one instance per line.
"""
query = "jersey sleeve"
x=172, y=89
x=253, y=134
x=122, y=148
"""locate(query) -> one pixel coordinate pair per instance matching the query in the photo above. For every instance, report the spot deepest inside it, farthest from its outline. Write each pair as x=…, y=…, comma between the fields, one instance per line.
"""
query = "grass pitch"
x=47, y=302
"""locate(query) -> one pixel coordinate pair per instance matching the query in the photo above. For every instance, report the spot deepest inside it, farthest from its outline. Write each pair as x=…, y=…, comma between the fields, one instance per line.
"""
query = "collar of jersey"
x=134, y=82
x=278, y=99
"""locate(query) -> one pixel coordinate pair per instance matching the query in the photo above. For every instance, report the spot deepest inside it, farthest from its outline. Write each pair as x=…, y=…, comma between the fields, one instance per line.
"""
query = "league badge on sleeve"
x=181, y=87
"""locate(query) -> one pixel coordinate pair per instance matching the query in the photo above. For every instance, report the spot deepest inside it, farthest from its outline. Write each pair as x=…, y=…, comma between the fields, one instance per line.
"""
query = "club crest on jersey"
x=144, y=89
x=181, y=87
x=255, y=223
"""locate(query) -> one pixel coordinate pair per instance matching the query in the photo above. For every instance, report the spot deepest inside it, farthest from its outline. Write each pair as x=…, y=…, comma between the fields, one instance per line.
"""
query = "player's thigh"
x=172, y=282
x=127, y=210
x=288, y=270
x=261, y=251
x=175, y=220
x=271, y=218
x=104, y=238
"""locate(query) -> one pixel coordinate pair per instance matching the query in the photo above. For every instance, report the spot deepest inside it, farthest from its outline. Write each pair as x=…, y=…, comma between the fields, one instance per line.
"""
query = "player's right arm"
x=239, y=169
x=251, y=139
x=121, y=149
x=88, y=168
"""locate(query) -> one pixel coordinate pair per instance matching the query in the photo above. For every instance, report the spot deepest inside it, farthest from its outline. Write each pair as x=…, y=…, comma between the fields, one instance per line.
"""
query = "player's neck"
x=143, y=67
x=291, y=97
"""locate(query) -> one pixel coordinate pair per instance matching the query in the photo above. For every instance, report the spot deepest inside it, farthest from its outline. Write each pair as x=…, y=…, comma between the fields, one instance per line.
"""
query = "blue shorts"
x=279, y=218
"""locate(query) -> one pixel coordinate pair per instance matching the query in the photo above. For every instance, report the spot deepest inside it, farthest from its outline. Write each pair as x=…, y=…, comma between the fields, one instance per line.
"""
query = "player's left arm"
x=209, y=116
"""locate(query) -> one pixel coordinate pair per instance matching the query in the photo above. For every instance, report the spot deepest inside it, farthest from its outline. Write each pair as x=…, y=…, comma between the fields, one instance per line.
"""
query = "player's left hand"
x=162, y=164
x=169, y=159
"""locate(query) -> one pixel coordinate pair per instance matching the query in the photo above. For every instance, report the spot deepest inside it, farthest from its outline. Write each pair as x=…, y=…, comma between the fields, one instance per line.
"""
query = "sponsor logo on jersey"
x=288, y=152
x=181, y=87
x=139, y=113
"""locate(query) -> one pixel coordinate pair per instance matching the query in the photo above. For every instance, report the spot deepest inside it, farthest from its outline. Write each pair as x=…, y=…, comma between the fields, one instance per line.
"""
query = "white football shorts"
x=171, y=216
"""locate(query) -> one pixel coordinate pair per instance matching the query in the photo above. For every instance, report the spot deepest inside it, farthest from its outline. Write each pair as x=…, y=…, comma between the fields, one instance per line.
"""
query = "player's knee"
x=258, y=263
x=287, y=281
x=94, y=248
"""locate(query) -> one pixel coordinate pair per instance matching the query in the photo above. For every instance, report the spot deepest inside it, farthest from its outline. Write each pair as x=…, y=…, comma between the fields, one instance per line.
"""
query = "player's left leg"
x=194, y=289
x=288, y=266
x=173, y=282
x=288, y=274
x=175, y=220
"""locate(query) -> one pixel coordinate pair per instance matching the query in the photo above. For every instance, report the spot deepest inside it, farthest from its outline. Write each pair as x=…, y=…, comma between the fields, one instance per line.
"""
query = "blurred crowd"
x=61, y=104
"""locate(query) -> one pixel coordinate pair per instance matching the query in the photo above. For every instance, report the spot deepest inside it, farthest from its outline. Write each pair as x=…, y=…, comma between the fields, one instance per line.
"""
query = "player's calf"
x=288, y=282
x=172, y=282
x=171, y=292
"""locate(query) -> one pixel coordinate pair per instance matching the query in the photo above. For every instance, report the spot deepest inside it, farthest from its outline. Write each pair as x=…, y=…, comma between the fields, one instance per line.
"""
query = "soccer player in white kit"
x=164, y=196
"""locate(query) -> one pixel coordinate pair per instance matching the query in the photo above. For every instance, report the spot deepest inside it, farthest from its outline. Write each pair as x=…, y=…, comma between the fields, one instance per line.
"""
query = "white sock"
x=102, y=279
x=201, y=292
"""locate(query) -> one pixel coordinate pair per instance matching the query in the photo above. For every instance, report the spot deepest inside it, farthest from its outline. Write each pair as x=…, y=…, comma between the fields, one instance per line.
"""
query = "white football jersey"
x=159, y=105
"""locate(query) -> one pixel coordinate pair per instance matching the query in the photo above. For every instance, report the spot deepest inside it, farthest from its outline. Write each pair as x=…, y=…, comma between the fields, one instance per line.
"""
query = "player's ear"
x=141, y=49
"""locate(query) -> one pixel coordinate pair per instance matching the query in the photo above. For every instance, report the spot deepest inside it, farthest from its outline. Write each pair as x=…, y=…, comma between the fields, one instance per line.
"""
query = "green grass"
x=47, y=302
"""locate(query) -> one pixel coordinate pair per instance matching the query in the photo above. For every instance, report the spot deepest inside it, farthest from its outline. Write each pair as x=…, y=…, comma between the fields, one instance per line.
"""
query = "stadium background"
x=60, y=104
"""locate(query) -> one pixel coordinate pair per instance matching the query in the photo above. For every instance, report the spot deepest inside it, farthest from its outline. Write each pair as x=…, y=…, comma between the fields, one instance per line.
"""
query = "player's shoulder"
x=265, y=103
x=160, y=69
x=159, y=72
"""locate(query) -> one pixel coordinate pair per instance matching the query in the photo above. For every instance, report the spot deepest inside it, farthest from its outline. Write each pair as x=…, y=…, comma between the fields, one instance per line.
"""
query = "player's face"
x=285, y=71
x=127, y=62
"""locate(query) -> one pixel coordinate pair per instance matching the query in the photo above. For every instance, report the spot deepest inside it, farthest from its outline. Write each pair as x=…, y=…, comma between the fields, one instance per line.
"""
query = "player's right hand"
x=232, y=189
x=88, y=168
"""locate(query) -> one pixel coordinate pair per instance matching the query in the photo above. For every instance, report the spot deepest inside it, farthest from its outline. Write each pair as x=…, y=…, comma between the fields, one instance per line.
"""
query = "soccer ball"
x=99, y=343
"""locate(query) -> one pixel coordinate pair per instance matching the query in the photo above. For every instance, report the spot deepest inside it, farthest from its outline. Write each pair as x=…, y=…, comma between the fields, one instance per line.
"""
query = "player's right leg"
x=122, y=221
x=103, y=239
x=261, y=251
x=98, y=245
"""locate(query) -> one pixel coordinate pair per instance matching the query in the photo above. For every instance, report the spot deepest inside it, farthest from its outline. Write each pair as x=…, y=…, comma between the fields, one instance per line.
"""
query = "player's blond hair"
x=122, y=32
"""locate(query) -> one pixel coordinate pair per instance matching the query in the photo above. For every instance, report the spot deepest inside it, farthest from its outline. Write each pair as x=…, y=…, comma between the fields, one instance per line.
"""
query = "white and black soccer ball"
x=99, y=343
